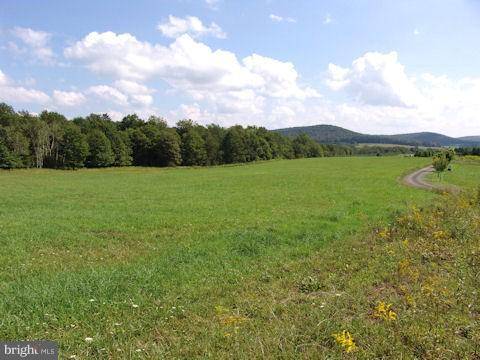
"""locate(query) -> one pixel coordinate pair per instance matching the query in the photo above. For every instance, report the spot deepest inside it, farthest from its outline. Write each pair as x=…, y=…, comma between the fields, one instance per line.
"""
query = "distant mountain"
x=429, y=139
x=330, y=134
x=471, y=138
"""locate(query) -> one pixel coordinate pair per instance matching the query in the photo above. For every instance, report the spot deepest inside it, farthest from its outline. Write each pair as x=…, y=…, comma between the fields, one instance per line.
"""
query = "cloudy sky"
x=371, y=66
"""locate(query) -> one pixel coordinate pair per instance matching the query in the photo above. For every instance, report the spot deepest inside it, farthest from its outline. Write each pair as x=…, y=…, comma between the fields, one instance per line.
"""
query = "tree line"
x=50, y=140
x=472, y=150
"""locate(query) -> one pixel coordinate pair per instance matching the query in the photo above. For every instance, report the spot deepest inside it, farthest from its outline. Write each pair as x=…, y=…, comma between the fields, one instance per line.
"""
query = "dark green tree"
x=130, y=122
x=73, y=148
x=167, y=148
x=213, y=137
x=121, y=148
x=193, y=148
x=8, y=160
x=100, y=150
x=234, y=146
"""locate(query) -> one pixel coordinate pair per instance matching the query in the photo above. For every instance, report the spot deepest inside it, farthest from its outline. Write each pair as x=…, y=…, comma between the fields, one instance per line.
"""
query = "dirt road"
x=417, y=179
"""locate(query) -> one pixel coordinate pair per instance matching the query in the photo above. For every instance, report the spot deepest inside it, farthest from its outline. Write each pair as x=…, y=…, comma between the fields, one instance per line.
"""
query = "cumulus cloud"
x=381, y=96
x=279, y=79
x=138, y=93
x=9, y=92
x=376, y=79
x=108, y=93
x=68, y=98
x=278, y=18
x=191, y=25
x=35, y=42
x=217, y=77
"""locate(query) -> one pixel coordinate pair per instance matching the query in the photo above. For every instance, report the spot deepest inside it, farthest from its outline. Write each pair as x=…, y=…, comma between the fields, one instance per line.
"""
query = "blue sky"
x=370, y=66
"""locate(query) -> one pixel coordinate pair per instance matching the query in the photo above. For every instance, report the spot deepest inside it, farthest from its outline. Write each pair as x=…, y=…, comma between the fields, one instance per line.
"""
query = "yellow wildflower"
x=384, y=233
x=384, y=311
x=345, y=340
x=232, y=320
x=226, y=318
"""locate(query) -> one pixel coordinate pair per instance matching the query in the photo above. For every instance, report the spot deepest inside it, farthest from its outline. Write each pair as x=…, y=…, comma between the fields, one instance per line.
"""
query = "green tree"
x=121, y=149
x=37, y=133
x=130, y=122
x=101, y=153
x=440, y=163
x=17, y=145
x=167, y=148
x=305, y=146
x=73, y=148
x=213, y=137
x=55, y=124
x=140, y=145
x=193, y=148
x=8, y=116
x=234, y=146
x=8, y=160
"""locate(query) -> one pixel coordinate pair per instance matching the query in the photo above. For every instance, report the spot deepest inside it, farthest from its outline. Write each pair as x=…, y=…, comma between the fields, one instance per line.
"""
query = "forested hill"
x=330, y=134
x=471, y=138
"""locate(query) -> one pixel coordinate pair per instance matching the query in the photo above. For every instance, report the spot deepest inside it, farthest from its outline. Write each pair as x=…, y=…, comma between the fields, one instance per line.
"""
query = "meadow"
x=258, y=260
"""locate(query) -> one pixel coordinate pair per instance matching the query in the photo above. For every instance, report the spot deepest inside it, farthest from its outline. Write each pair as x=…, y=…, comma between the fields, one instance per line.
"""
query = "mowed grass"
x=465, y=173
x=156, y=263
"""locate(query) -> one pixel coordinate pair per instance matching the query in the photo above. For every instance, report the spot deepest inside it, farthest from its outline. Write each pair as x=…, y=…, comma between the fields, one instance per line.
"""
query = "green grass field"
x=465, y=173
x=189, y=262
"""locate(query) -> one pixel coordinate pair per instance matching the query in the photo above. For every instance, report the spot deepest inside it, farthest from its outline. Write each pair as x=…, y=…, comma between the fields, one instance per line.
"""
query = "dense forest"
x=50, y=140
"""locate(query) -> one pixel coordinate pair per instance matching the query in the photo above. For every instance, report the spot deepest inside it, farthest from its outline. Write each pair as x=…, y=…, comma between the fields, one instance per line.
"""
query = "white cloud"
x=279, y=78
x=191, y=25
x=68, y=98
x=11, y=93
x=19, y=94
x=416, y=32
x=36, y=42
x=132, y=87
x=3, y=79
x=215, y=77
x=138, y=93
x=122, y=56
x=328, y=19
x=386, y=99
x=109, y=93
x=444, y=105
x=124, y=93
x=376, y=79
x=116, y=115
x=278, y=18
x=382, y=96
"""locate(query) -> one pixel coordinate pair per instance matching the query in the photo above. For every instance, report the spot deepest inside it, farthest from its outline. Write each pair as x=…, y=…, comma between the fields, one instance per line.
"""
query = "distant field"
x=465, y=173
x=150, y=262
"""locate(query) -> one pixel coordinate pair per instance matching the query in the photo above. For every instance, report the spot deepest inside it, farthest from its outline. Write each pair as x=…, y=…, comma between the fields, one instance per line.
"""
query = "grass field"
x=192, y=262
x=465, y=173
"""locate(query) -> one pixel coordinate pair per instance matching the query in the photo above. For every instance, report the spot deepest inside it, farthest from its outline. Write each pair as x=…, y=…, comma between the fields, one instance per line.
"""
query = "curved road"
x=417, y=180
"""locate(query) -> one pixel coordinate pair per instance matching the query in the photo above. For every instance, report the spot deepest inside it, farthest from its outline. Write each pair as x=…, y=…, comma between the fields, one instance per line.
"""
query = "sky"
x=379, y=67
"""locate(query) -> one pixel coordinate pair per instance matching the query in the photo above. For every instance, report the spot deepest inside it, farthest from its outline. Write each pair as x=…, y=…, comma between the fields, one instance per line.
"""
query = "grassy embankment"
x=266, y=260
